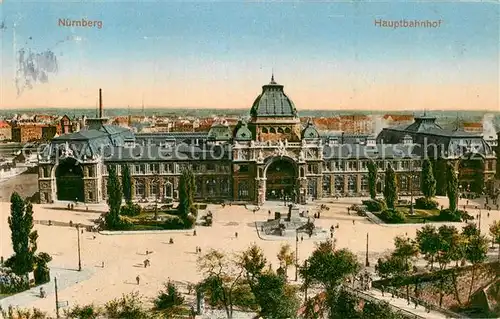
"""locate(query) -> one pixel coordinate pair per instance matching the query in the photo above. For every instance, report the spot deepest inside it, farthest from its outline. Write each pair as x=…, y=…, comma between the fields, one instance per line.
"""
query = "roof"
x=153, y=152
x=273, y=102
x=375, y=151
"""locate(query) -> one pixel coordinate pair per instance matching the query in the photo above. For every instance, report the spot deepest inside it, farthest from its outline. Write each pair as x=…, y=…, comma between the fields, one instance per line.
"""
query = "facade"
x=267, y=157
x=5, y=131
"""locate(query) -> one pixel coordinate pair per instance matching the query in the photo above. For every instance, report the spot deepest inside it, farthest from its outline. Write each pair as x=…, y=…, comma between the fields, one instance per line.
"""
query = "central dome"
x=273, y=102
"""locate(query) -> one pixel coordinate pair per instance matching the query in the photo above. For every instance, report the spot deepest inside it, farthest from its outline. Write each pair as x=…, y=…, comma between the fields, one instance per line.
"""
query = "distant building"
x=473, y=127
x=23, y=133
x=5, y=131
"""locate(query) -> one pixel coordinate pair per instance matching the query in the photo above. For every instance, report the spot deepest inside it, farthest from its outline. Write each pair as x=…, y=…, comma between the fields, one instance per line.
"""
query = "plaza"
x=123, y=254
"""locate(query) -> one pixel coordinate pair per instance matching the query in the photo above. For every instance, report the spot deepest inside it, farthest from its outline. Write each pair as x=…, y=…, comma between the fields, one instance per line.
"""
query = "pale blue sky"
x=236, y=44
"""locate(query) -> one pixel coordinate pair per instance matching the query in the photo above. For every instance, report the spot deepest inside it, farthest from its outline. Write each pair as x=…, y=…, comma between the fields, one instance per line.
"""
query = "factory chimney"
x=100, y=104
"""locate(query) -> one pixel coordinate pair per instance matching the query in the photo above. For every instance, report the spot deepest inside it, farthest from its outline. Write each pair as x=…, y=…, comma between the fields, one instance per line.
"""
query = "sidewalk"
x=65, y=279
x=403, y=304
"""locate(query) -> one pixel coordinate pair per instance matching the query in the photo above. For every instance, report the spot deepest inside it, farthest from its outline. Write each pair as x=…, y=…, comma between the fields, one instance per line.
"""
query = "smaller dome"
x=310, y=131
x=243, y=133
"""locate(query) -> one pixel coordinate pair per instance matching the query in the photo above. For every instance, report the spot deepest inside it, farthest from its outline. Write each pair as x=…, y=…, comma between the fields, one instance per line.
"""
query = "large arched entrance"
x=69, y=180
x=281, y=179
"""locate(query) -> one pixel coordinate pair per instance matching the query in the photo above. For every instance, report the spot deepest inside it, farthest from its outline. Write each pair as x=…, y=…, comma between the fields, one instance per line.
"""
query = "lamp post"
x=79, y=256
x=367, y=263
x=57, y=297
x=296, y=256
x=411, y=190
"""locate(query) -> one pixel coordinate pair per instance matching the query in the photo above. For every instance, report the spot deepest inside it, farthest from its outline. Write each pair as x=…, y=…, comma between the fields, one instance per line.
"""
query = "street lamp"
x=79, y=256
x=296, y=255
x=367, y=263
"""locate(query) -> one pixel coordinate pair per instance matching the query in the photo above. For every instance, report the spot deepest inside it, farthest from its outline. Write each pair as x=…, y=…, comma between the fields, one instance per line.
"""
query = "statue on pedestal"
x=301, y=156
x=260, y=157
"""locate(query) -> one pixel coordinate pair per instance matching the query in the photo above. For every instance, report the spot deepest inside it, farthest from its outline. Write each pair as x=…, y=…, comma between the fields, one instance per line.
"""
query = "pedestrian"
x=145, y=263
x=383, y=290
x=93, y=236
x=137, y=279
x=236, y=234
x=82, y=230
x=194, y=232
x=199, y=250
x=488, y=214
x=269, y=212
x=353, y=222
x=42, y=292
x=301, y=238
x=102, y=264
x=467, y=202
x=348, y=211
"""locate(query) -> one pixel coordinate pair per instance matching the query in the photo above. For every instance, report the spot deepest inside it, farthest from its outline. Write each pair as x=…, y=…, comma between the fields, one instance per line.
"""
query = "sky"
x=328, y=55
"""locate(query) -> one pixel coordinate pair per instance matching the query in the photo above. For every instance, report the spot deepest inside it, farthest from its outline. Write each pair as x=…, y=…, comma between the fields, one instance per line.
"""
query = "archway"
x=281, y=179
x=69, y=180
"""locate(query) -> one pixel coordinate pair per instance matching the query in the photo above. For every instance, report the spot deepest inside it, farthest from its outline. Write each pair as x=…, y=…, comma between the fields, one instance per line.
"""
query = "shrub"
x=130, y=210
x=10, y=283
x=83, y=312
x=375, y=205
x=174, y=222
x=448, y=215
x=393, y=216
x=426, y=203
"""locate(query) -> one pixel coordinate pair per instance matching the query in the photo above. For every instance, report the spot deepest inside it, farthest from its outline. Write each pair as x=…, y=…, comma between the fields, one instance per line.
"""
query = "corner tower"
x=274, y=116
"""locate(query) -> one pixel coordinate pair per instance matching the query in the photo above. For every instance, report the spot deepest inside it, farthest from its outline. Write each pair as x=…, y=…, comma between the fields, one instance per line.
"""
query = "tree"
x=128, y=306
x=448, y=239
x=329, y=269
x=406, y=249
x=439, y=167
x=495, y=235
x=169, y=301
x=428, y=242
x=390, y=187
x=276, y=299
x=186, y=193
x=475, y=252
x=372, y=178
x=286, y=257
x=253, y=262
x=127, y=184
x=221, y=278
x=452, y=187
x=114, y=190
x=23, y=238
x=427, y=181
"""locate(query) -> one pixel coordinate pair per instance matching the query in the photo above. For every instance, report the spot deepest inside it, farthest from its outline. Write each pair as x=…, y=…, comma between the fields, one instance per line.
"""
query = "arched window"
x=288, y=130
x=404, y=182
x=211, y=186
x=364, y=183
x=168, y=190
x=351, y=184
x=339, y=184
x=326, y=184
x=272, y=130
x=264, y=130
x=140, y=189
x=280, y=130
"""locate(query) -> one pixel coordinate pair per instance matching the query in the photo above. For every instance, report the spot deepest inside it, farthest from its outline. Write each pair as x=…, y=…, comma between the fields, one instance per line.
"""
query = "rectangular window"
x=91, y=171
x=91, y=196
x=210, y=167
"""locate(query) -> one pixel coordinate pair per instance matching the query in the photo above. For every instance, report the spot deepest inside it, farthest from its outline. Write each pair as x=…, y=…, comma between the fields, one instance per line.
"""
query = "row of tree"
x=443, y=246
x=427, y=184
x=118, y=190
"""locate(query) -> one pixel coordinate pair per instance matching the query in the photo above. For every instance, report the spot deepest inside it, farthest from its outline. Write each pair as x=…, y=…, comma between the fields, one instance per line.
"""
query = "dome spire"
x=272, y=77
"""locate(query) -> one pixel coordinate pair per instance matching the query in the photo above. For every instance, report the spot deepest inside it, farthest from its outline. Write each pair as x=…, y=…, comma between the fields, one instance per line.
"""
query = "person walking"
x=137, y=279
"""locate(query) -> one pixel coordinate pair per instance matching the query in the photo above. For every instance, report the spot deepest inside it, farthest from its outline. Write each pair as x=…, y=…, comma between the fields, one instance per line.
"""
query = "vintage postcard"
x=249, y=159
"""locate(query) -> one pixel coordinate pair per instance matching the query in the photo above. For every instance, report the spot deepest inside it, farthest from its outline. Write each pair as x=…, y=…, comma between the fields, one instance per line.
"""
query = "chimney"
x=100, y=104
